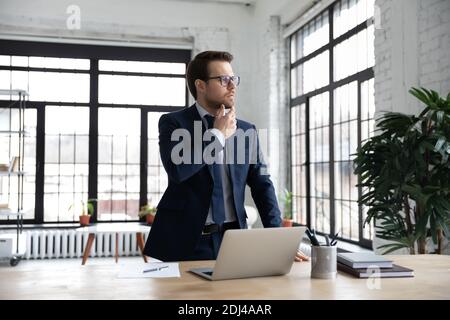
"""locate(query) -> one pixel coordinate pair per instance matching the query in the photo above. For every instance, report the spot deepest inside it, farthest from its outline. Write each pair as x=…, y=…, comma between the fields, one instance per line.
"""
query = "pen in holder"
x=323, y=262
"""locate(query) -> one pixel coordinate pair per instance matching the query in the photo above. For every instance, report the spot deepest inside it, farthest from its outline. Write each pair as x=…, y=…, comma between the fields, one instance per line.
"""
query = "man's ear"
x=200, y=85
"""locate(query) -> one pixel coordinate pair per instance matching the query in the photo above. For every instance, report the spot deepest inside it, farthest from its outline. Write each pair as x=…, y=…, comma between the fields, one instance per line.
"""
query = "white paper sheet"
x=137, y=270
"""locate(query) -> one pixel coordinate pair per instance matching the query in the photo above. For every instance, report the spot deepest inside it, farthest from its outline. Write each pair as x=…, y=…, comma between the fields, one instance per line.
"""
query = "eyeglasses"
x=225, y=80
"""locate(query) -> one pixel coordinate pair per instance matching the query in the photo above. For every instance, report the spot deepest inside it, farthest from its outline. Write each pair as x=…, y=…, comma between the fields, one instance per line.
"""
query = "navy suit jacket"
x=184, y=207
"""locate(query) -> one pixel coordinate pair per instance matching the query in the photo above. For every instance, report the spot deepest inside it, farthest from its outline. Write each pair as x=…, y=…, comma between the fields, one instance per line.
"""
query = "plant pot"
x=84, y=220
x=149, y=218
x=287, y=222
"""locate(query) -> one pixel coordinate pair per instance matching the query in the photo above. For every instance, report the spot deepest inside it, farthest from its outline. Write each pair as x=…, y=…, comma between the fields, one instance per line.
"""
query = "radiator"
x=53, y=244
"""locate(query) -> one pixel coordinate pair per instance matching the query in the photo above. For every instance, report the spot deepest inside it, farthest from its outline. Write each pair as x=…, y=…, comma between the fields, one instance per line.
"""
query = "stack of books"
x=365, y=265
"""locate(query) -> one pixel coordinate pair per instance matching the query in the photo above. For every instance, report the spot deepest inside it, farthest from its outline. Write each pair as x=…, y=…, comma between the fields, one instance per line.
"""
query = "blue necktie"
x=217, y=201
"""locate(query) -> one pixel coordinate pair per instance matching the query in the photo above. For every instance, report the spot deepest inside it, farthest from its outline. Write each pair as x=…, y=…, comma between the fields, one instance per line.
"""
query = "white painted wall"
x=412, y=45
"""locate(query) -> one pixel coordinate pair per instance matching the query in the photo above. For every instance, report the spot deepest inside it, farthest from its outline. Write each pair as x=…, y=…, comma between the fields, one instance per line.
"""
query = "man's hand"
x=300, y=256
x=225, y=123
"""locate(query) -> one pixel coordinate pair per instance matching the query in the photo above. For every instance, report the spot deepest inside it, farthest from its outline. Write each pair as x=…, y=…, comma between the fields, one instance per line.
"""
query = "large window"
x=91, y=124
x=332, y=110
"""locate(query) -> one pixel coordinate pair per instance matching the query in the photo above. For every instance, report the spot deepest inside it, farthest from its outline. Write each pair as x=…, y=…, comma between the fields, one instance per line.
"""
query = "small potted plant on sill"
x=287, y=209
x=147, y=212
x=86, y=211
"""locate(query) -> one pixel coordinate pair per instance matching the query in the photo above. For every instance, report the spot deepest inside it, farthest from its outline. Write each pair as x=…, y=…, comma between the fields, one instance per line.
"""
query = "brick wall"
x=434, y=45
x=412, y=45
x=412, y=48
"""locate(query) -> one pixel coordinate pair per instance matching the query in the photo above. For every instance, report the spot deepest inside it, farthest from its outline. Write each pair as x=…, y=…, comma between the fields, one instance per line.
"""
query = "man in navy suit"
x=210, y=157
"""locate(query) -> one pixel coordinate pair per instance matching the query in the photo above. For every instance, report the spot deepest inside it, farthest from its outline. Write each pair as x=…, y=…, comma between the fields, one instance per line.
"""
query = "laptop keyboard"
x=209, y=273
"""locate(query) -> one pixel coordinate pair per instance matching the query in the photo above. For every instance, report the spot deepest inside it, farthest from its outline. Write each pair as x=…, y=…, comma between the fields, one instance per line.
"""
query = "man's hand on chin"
x=300, y=256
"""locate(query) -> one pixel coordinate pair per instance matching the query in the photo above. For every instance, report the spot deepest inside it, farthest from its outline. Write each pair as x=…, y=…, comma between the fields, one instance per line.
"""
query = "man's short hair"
x=198, y=67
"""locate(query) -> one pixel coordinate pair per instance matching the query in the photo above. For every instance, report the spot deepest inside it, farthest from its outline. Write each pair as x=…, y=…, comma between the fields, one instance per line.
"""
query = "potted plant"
x=87, y=210
x=405, y=175
x=287, y=209
x=148, y=212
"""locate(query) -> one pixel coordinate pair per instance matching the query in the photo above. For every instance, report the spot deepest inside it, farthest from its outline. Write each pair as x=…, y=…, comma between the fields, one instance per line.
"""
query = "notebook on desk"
x=254, y=253
x=395, y=272
x=363, y=260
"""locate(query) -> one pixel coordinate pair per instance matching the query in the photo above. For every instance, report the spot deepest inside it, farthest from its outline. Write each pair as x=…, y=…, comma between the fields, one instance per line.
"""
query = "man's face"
x=215, y=93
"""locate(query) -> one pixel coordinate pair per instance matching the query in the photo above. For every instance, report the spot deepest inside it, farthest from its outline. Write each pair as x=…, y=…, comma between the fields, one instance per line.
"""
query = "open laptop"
x=250, y=253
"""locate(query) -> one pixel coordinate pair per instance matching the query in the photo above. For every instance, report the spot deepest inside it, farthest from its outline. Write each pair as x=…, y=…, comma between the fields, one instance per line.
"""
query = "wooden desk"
x=431, y=281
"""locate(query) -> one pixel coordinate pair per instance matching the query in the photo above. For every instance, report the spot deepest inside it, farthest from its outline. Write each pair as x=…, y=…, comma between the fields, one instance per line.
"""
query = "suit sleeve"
x=178, y=172
x=262, y=190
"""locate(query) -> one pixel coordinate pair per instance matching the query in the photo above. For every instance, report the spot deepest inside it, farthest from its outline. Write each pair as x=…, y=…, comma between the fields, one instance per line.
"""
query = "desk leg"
x=87, y=250
x=117, y=247
x=140, y=243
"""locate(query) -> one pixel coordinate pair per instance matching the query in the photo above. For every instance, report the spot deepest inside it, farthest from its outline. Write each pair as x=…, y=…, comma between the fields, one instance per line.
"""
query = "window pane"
x=370, y=46
x=137, y=90
x=5, y=60
x=312, y=36
x=119, y=158
x=19, y=61
x=316, y=72
x=293, y=46
x=52, y=86
x=66, y=148
x=346, y=102
x=320, y=197
x=354, y=54
x=319, y=110
x=298, y=119
x=59, y=63
x=319, y=145
x=300, y=43
x=345, y=57
x=66, y=162
x=346, y=16
x=142, y=66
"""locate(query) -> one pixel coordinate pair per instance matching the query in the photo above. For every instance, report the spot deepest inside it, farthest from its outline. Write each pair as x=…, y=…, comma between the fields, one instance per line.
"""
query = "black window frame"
x=359, y=77
x=94, y=53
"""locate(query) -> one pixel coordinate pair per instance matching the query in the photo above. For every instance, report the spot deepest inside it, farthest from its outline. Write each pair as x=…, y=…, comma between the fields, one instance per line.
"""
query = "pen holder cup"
x=323, y=262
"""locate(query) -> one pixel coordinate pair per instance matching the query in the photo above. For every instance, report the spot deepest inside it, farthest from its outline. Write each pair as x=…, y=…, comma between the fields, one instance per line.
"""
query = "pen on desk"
x=155, y=269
